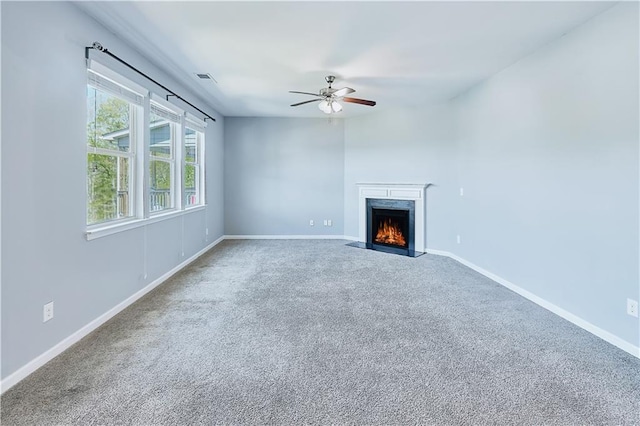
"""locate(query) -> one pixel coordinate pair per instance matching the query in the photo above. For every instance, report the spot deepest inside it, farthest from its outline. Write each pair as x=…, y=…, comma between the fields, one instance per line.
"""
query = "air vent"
x=206, y=76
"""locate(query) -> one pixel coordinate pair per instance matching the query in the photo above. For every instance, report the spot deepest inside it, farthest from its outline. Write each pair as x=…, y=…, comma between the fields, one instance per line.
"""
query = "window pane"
x=107, y=121
x=161, y=143
x=191, y=185
x=108, y=188
x=161, y=180
x=190, y=146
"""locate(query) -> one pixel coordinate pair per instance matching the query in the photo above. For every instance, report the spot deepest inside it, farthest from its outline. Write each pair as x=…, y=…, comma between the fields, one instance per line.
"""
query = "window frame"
x=175, y=126
x=199, y=129
x=140, y=158
x=120, y=91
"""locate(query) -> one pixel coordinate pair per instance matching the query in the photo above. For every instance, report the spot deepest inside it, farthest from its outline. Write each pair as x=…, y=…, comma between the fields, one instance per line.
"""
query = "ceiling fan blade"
x=359, y=101
x=306, y=102
x=303, y=93
x=342, y=92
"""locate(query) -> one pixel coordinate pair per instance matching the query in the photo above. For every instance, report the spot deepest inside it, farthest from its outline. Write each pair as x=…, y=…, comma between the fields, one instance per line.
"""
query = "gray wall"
x=404, y=146
x=281, y=172
x=547, y=152
x=45, y=255
x=548, y=158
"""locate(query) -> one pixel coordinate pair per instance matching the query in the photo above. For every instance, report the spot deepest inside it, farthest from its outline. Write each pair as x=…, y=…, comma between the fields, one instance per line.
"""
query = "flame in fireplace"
x=390, y=233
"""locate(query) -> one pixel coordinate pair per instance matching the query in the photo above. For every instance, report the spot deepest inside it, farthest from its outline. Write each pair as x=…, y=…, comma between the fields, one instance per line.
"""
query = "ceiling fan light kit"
x=329, y=97
x=329, y=107
x=325, y=107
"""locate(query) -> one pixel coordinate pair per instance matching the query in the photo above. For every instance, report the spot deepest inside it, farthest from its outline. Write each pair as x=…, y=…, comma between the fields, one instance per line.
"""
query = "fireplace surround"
x=393, y=197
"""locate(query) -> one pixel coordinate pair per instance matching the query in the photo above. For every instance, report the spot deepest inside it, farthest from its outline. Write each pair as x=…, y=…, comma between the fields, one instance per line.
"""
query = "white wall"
x=281, y=172
x=45, y=254
x=404, y=146
x=548, y=158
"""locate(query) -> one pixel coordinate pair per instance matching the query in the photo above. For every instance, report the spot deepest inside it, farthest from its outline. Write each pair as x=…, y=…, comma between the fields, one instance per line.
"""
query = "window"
x=112, y=112
x=162, y=161
x=193, y=170
x=136, y=173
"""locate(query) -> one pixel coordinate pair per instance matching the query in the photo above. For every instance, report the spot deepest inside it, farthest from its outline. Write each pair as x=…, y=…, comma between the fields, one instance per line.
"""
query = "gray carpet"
x=292, y=332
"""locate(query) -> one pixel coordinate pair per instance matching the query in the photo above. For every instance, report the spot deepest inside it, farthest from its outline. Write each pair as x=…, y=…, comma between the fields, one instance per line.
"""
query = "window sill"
x=103, y=231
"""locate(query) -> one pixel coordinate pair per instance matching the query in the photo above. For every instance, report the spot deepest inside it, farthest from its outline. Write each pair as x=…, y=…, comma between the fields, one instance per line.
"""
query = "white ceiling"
x=396, y=53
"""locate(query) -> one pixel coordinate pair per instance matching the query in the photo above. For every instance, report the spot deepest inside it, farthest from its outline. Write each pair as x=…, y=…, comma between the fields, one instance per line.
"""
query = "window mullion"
x=111, y=152
x=144, y=160
x=179, y=161
x=201, y=167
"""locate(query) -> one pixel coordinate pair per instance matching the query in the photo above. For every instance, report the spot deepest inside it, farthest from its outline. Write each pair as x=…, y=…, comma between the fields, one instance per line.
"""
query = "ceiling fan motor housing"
x=327, y=91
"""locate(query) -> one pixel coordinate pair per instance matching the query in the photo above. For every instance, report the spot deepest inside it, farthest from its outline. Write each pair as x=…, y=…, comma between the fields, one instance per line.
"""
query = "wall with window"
x=46, y=165
x=145, y=156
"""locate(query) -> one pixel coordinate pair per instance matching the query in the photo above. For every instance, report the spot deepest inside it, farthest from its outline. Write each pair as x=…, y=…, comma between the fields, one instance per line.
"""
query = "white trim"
x=92, y=234
x=110, y=152
x=286, y=237
x=47, y=356
x=142, y=161
x=585, y=325
x=166, y=113
x=439, y=252
x=97, y=67
x=194, y=122
x=399, y=185
x=415, y=192
x=179, y=112
x=115, y=88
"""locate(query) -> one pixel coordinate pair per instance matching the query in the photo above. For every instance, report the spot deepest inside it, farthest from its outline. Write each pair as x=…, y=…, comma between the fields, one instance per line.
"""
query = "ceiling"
x=396, y=53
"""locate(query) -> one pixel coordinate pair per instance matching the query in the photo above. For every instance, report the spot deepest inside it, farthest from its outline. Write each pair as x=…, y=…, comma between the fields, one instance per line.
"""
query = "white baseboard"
x=286, y=237
x=586, y=325
x=439, y=252
x=47, y=356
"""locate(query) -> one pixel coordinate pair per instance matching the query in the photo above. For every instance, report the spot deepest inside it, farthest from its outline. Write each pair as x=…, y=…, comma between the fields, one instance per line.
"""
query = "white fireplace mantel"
x=394, y=191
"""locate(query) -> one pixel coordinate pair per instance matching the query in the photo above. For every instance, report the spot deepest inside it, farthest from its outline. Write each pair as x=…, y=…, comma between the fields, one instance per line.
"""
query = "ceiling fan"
x=329, y=97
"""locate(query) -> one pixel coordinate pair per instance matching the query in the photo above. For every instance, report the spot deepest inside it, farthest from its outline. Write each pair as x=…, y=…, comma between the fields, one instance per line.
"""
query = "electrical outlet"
x=329, y=222
x=461, y=192
x=47, y=312
x=206, y=231
x=632, y=307
x=325, y=222
x=458, y=239
x=310, y=222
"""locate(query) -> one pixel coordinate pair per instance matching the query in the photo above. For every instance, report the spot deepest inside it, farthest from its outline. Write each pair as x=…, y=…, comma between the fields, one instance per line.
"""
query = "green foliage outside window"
x=107, y=175
x=110, y=160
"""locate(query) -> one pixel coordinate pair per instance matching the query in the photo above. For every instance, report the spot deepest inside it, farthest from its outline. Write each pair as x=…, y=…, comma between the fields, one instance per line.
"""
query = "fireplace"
x=391, y=225
x=391, y=218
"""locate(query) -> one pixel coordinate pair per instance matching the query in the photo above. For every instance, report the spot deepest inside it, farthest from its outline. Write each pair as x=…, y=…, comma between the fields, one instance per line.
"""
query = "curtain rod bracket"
x=101, y=48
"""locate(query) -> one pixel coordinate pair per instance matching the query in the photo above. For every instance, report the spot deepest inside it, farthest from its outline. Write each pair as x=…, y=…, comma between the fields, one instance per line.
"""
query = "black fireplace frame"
x=387, y=204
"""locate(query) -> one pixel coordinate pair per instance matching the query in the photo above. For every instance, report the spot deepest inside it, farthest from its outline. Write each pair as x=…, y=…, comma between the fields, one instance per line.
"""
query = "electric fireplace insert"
x=391, y=226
